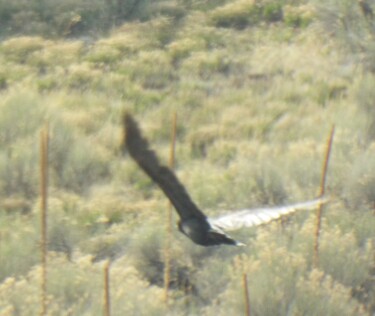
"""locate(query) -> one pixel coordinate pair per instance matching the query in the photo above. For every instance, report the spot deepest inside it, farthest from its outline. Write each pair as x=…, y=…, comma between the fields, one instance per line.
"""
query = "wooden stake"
x=44, y=197
x=246, y=294
x=322, y=192
x=107, y=293
x=167, y=252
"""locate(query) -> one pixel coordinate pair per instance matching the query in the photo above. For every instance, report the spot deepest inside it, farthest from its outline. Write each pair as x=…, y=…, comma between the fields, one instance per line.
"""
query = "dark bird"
x=193, y=222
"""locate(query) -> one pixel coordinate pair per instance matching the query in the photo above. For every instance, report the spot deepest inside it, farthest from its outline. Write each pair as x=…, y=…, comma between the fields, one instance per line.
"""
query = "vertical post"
x=246, y=294
x=167, y=253
x=322, y=192
x=107, y=293
x=44, y=196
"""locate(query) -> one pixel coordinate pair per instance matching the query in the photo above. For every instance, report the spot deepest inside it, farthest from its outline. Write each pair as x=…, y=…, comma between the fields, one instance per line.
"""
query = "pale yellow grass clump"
x=237, y=13
x=20, y=48
x=58, y=53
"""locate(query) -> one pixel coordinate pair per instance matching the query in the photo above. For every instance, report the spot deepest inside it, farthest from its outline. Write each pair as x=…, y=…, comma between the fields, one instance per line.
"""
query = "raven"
x=193, y=222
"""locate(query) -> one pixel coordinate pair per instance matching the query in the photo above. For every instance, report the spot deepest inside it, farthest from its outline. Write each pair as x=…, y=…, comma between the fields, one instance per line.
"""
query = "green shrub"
x=299, y=16
x=148, y=250
x=56, y=54
x=3, y=81
x=202, y=139
x=343, y=246
x=279, y=283
x=346, y=22
x=152, y=70
x=65, y=230
x=102, y=54
x=22, y=116
x=170, y=9
x=238, y=14
x=360, y=182
x=207, y=64
x=181, y=49
x=47, y=83
x=18, y=170
x=243, y=13
x=364, y=95
x=82, y=77
x=84, y=165
x=19, y=243
x=272, y=11
x=135, y=36
x=19, y=49
x=272, y=281
x=321, y=294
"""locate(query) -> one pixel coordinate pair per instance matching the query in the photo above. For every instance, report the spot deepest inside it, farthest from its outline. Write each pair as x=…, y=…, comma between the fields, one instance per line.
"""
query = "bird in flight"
x=193, y=222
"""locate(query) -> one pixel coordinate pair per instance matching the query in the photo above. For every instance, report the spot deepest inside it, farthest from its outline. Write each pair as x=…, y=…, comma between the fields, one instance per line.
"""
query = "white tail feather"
x=256, y=217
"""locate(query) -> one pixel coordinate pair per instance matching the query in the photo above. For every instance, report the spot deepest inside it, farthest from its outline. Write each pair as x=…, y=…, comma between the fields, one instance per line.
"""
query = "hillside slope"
x=256, y=87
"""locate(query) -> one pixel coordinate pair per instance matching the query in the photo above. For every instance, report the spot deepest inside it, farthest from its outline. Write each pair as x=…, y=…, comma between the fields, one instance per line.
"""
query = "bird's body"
x=193, y=222
x=202, y=233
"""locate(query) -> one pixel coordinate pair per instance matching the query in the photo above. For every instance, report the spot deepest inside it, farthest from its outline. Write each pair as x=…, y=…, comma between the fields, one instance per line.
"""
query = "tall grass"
x=44, y=139
x=246, y=295
x=322, y=192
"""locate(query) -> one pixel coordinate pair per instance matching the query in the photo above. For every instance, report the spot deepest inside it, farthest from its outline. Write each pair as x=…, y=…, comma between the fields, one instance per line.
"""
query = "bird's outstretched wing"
x=139, y=150
x=256, y=217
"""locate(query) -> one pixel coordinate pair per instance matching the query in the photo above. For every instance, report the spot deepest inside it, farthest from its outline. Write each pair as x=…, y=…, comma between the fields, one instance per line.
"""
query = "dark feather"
x=138, y=148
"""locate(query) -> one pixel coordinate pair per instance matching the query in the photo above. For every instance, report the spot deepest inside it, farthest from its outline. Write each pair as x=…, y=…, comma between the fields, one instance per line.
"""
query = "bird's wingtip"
x=130, y=130
x=240, y=244
x=127, y=118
